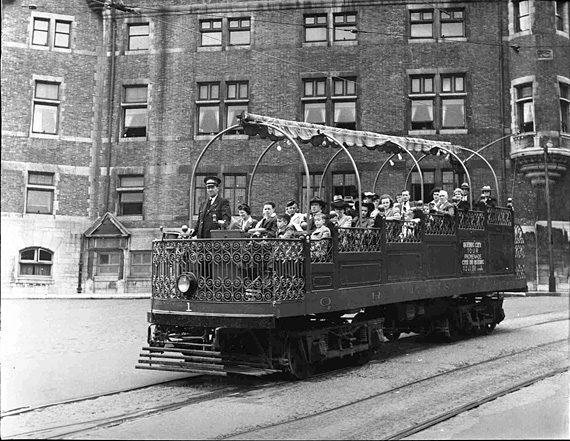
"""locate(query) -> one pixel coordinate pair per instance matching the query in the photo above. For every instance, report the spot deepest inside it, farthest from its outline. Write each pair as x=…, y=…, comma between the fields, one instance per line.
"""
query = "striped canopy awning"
x=265, y=127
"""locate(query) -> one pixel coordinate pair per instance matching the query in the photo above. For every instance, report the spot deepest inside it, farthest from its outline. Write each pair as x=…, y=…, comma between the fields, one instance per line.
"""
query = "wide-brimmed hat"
x=318, y=200
x=337, y=197
x=349, y=199
x=339, y=204
x=486, y=188
x=465, y=185
x=212, y=180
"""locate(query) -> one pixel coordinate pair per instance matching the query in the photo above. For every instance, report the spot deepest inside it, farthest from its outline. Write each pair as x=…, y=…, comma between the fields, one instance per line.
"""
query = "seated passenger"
x=267, y=225
x=443, y=206
x=292, y=209
x=458, y=201
x=245, y=221
x=342, y=219
x=322, y=231
x=366, y=221
x=390, y=212
x=285, y=228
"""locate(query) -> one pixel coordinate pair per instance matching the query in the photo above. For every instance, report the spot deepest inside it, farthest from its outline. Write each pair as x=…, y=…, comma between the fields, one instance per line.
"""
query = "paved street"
x=61, y=349
x=56, y=349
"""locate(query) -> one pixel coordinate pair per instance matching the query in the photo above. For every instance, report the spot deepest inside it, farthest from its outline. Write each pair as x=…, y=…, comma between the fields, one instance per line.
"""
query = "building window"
x=344, y=26
x=237, y=101
x=525, y=108
x=445, y=23
x=41, y=33
x=46, y=108
x=315, y=28
x=130, y=192
x=40, y=191
x=235, y=190
x=422, y=96
x=344, y=184
x=314, y=182
x=135, y=111
x=337, y=108
x=200, y=193
x=522, y=15
x=437, y=102
x=564, y=107
x=108, y=263
x=36, y=262
x=211, y=33
x=421, y=24
x=240, y=31
x=141, y=263
x=211, y=104
x=139, y=37
x=208, y=108
x=452, y=101
x=452, y=23
x=562, y=15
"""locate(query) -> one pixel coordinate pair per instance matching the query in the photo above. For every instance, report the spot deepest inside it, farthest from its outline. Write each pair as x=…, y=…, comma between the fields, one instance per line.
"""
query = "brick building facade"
x=106, y=108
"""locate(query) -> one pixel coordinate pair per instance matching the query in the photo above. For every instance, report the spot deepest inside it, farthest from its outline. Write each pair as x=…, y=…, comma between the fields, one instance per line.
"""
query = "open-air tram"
x=256, y=305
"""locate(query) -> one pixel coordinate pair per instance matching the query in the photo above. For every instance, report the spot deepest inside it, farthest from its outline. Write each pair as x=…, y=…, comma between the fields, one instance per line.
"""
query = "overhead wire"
x=138, y=11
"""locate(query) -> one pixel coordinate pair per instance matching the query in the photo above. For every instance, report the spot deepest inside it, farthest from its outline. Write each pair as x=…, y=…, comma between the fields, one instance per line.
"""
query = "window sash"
x=343, y=25
x=45, y=119
x=453, y=113
x=141, y=262
x=316, y=28
x=314, y=113
x=108, y=263
x=131, y=181
x=40, y=33
x=208, y=119
x=522, y=15
x=38, y=178
x=131, y=203
x=39, y=201
x=62, y=34
x=137, y=94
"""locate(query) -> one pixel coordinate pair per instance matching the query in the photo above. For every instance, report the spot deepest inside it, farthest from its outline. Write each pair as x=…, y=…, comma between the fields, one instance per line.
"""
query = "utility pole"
x=551, y=278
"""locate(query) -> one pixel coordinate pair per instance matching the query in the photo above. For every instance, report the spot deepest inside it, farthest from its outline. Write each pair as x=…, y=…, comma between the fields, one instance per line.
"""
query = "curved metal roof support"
x=464, y=168
x=412, y=169
x=380, y=171
x=473, y=152
x=327, y=168
x=488, y=145
x=359, y=185
x=255, y=170
x=193, y=175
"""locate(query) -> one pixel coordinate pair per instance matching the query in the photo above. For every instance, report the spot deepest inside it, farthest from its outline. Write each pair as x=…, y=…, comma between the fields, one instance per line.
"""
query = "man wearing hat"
x=292, y=209
x=215, y=211
x=465, y=190
x=491, y=201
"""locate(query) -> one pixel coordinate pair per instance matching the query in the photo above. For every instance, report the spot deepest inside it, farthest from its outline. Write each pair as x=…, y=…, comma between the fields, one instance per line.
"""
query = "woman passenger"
x=390, y=212
x=366, y=221
x=245, y=221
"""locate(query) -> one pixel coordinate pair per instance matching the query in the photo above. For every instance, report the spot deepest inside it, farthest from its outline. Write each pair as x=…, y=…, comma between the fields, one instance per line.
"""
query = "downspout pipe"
x=110, y=101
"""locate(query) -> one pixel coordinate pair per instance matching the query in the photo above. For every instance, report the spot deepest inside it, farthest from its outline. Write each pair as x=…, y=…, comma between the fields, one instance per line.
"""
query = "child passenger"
x=322, y=230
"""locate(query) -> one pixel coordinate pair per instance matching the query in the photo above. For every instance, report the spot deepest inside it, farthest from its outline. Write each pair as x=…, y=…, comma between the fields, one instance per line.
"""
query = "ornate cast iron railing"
x=321, y=250
x=519, y=253
x=471, y=220
x=499, y=216
x=356, y=240
x=439, y=224
x=232, y=270
x=403, y=231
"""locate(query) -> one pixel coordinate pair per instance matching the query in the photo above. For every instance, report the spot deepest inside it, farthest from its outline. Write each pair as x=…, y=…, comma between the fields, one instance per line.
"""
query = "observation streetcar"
x=238, y=304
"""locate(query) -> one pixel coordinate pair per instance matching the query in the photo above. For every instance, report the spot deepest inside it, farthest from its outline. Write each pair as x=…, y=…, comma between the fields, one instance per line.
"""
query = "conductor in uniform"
x=215, y=211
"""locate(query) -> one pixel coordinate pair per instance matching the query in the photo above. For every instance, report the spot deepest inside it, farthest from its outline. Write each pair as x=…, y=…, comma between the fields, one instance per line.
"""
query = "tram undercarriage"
x=298, y=345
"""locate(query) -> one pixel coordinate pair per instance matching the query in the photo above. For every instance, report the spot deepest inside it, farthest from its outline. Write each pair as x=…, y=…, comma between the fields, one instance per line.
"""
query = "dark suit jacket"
x=270, y=226
x=205, y=223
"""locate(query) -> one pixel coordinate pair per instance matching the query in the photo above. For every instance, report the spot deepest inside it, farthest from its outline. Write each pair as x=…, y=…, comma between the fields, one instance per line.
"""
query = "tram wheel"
x=488, y=328
x=299, y=366
x=390, y=333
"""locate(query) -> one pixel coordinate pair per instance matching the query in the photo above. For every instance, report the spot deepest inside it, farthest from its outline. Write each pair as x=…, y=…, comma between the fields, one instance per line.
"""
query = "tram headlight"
x=187, y=284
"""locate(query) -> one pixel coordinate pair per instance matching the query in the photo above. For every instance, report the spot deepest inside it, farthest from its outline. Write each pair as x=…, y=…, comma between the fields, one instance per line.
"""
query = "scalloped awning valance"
x=264, y=126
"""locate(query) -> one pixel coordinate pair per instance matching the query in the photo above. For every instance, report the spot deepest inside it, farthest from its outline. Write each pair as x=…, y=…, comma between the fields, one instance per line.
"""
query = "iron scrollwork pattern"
x=471, y=220
x=499, y=216
x=398, y=231
x=440, y=224
x=519, y=253
x=234, y=270
x=356, y=240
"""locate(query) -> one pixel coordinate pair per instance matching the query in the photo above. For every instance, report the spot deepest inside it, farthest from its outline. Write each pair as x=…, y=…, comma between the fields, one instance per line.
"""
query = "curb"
x=536, y=294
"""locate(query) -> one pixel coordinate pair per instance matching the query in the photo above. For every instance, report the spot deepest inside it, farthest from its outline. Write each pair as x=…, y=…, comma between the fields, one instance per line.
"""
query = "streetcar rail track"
x=472, y=405
x=86, y=426
x=395, y=389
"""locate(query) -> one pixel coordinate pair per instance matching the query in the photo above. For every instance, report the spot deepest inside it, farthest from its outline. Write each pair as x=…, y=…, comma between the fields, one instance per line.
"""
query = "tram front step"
x=201, y=368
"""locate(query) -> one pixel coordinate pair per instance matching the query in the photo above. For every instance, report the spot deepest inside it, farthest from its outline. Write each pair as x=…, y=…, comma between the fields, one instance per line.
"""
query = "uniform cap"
x=291, y=203
x=212, y=180
x=465, y=185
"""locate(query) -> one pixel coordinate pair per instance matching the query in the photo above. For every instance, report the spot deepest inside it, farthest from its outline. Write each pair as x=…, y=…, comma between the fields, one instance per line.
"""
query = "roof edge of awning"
x=316, y=134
